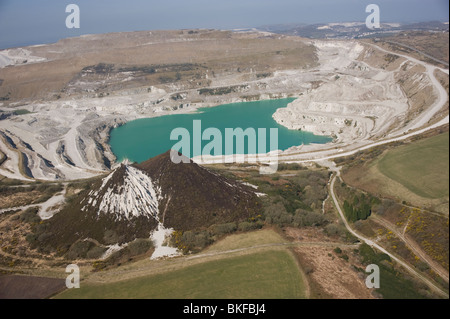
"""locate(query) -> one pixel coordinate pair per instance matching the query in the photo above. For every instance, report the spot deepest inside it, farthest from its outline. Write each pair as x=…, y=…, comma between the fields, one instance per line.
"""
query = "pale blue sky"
x=25, y=22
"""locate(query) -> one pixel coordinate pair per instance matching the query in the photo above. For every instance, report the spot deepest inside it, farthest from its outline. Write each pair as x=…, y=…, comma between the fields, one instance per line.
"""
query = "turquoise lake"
x=142, y=139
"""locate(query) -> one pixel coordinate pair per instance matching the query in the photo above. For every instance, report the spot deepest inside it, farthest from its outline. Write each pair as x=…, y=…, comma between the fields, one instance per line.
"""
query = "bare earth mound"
x=26, y=287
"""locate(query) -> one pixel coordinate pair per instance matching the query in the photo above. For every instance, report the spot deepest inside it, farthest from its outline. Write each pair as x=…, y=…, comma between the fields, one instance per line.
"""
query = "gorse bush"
x=276, y=214
x=30, y=215
x=191, y=241
x=333, y=230
x=223, y=229
x=307, y=218
x=79, y=250
x=139, y=246
x=95, y=252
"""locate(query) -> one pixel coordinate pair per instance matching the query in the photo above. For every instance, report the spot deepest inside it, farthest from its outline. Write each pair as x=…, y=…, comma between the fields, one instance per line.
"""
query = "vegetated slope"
x=416, y=173
x=404, y=176
x=132, y=200
x=193, y=197
x=422, y=167
x=101, y=213
x=435, y=44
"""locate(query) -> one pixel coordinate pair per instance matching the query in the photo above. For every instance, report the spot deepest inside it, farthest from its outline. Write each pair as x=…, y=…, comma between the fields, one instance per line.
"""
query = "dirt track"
x=415, y=248
x=378, y=247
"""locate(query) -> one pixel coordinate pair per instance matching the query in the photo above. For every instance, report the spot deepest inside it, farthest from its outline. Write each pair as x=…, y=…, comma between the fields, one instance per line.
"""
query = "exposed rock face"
x=92, y=83
x=350, y=90
x=364, y=94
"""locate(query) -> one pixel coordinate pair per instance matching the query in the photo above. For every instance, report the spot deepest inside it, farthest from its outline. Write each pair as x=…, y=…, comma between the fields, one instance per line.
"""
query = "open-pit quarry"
x=59, y=101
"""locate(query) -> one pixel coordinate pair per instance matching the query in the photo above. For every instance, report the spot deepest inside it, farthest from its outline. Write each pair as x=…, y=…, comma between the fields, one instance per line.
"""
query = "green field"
x=422, y=166
x=271, y=274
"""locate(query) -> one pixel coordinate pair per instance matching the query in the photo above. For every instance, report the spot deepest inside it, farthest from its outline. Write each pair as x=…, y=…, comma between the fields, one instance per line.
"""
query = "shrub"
x=369, y=256
x=422, y=266
x=334, y=230
x=42, y=237
x=110, y=237
x=21, y=112
x=30, y=215
x=360, y=208
x=276, y=214
x=223, y=229
x=49, y=188
x=40, y=228
x=308, y=269
x=96, y=252
x=79, y=249
x=306, y=218
x=193, y=241
x=247, y=226
x=140, y=246
x=166, y=79
x=31, y=238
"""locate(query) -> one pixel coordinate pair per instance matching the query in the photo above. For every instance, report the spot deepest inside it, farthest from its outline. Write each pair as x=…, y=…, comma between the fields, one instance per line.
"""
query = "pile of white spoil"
x=17, y=56
x=135, y=197
x=159, y=237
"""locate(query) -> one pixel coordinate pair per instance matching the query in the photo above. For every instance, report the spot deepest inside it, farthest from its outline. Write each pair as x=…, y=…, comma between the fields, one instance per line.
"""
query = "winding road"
x=416, y=127
x=372, y=244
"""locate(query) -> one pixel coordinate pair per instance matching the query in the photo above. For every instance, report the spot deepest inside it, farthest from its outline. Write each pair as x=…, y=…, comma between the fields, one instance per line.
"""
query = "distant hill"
x=350, y=30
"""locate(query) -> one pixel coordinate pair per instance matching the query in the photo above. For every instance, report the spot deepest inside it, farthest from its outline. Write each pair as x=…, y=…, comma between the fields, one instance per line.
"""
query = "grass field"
x=271, y=274
x=245, y=240
x=422, y=167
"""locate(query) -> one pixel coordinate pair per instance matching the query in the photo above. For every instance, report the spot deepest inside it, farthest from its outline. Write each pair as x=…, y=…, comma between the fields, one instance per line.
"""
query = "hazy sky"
x=25, y=22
